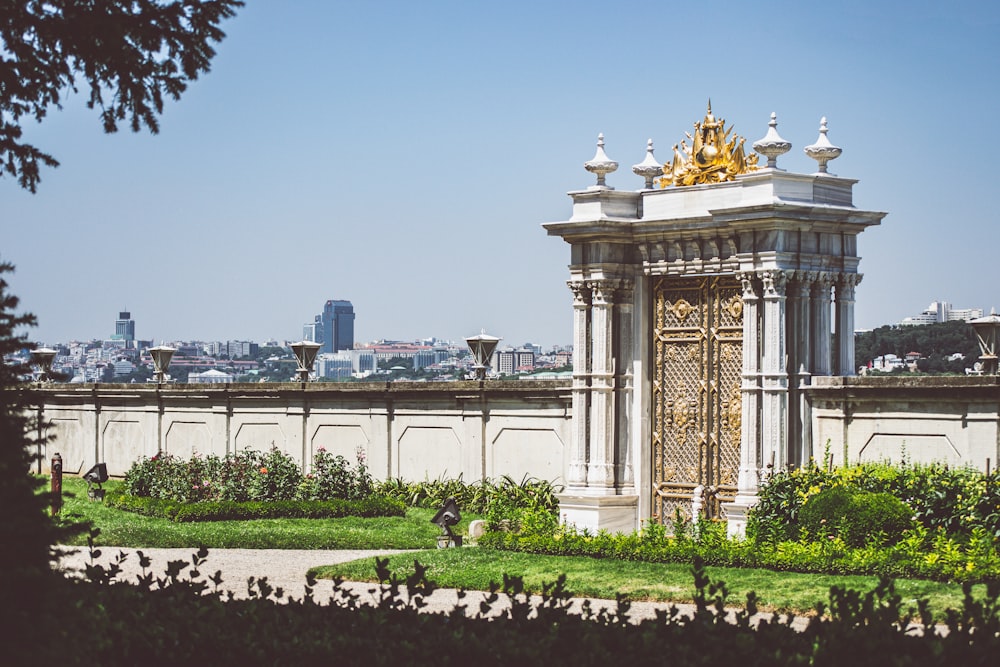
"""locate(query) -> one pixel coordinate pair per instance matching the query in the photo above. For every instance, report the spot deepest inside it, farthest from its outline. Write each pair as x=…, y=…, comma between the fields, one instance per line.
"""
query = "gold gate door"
x=698, y=359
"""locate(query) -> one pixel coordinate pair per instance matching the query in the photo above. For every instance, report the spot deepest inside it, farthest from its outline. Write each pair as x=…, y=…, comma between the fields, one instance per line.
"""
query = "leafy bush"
x=487, y=497
x=858, y=517
x=959, y=501
x=245, y=476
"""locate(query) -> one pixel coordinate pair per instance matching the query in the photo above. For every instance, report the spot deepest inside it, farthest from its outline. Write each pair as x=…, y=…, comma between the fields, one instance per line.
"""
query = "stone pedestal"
x=616, y=514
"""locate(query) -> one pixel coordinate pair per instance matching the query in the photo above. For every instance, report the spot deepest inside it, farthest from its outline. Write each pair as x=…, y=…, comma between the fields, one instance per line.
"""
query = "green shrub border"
x=920, y=554
x=373, y=506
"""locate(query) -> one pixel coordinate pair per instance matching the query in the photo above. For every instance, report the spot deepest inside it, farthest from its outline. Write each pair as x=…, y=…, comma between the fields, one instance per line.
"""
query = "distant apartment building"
x=510, y=361
x=941, y=311
x=422, y=355
x=234, y=349
x=337, y=366
x=242, y=348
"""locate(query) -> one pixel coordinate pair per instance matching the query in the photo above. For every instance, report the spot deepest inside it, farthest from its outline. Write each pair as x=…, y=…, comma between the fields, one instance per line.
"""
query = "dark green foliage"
x=821, y=515
x=858, y=517
x=30, y=532
x=180, y=617
x=130, y=56
x=227, y=510
x=936, y=342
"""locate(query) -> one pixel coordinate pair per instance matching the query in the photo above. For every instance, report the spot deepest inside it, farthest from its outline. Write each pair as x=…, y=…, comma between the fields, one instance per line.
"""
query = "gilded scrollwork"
x=698, y=353
x=734, y=306
x=681, y=309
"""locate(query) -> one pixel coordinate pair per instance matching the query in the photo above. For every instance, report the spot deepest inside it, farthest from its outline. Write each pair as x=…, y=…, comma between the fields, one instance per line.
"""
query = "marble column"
x=800, y=332
x=774, y=371
x=601, y=465
x=577, y=473
x=821, y=331
x=799, y=358
x=623, y=381
x=748, y=480
x=844, y=296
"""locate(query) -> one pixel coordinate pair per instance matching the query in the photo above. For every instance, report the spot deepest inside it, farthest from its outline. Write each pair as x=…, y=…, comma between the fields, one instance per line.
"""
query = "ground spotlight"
x=95, y=477
x=445, y=518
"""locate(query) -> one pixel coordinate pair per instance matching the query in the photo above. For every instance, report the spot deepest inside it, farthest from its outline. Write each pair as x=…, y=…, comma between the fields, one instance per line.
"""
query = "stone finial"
x=772, y=145
x=649, y=168
x=601, y=165
x=822, y=151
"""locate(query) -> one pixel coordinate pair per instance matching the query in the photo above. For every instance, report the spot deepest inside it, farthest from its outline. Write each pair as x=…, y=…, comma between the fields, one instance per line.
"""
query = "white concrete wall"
x=923, y=419
x=411, y=430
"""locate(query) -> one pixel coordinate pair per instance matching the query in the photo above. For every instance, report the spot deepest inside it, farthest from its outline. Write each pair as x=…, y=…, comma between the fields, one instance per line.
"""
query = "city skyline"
x=406, y=156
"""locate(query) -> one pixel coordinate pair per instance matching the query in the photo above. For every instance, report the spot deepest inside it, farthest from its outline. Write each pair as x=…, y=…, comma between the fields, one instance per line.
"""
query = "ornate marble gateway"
x=702, y=309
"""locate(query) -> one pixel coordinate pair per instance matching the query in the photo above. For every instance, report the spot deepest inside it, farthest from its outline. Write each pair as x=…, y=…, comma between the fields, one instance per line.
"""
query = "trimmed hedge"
x=859, y=517
x=234, y=511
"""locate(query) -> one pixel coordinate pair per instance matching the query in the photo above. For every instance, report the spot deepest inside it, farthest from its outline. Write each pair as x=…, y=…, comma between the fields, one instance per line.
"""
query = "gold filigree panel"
x=698, y=358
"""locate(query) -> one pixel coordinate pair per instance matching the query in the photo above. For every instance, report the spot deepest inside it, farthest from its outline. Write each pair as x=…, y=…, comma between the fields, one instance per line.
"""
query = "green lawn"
x=124, y=529
x=474, y=568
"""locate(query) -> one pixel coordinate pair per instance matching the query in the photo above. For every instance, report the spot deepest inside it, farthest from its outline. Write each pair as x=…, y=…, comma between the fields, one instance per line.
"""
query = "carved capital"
x=748, y=282
x=846, y=282
x=581, y=293
x=822, y=283
x=774, y=281
x=608, y=291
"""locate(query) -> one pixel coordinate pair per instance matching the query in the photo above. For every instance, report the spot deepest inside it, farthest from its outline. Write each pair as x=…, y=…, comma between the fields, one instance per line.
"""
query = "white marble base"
x=616, y=514
x=736, y=518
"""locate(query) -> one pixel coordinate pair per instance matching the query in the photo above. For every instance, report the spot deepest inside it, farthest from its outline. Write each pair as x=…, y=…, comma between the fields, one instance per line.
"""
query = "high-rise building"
x=125, y=328
x=338, y=326
x=313, y=332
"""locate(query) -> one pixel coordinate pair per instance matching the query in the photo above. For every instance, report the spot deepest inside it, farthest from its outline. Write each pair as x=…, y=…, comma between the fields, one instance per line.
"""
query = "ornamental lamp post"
x=482, y=347
x=987, y=332
x=161, y=355
x=305, y=354
x=43, y=358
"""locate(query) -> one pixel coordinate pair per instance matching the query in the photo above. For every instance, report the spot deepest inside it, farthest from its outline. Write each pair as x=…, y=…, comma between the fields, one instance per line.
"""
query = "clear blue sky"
x=403, y=156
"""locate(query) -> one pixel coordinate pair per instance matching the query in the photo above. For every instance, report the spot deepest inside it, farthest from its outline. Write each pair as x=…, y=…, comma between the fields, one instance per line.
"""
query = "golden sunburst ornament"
x=713, y=157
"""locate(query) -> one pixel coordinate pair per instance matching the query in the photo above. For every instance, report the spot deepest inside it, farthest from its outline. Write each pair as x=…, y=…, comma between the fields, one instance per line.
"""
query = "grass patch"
x=126, y=529
x=785, y=592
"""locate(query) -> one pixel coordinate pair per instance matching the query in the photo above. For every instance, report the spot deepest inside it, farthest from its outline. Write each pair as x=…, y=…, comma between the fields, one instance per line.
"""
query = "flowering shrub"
x=244, y=476
x=333, y=477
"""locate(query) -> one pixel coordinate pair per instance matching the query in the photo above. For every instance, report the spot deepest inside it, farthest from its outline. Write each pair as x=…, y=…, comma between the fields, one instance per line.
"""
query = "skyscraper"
x=338, y=326
x=125, y=328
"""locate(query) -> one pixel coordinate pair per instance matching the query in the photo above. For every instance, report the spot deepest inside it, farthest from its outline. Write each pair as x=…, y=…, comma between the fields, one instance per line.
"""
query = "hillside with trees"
x=935, y=343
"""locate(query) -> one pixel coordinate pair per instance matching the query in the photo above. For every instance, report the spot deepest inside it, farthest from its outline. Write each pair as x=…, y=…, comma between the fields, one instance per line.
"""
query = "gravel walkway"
x=287, y=569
